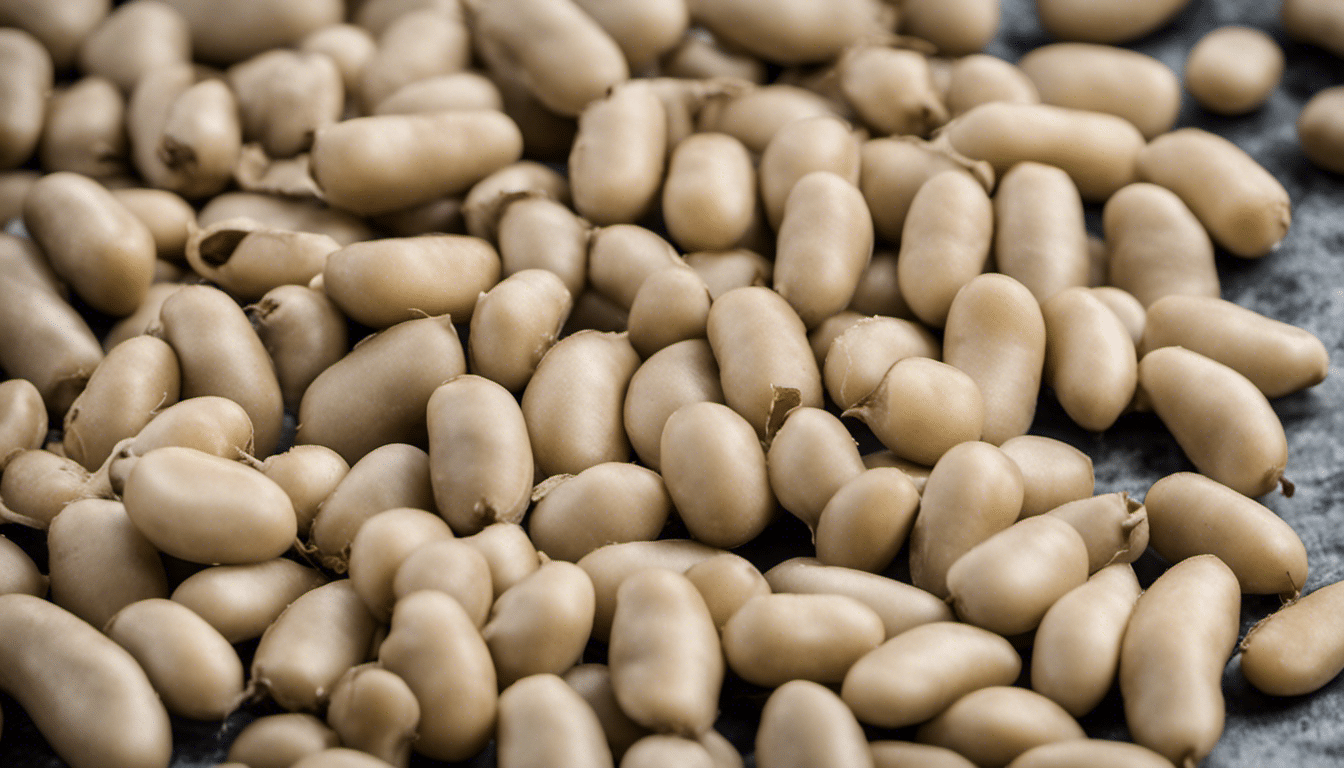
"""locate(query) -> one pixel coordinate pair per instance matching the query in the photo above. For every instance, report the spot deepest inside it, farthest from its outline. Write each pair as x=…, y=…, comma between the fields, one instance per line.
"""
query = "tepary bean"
x=375, y=711
x=860, y=357
x=38, y=484
x=304, y=333
x=867, y=520
x=899, y=605
x=456, y=90
x=894, y=168
x=608, y=502
x=542, y=623
x=672, y=305
x=810, y=457
x=754, y=115
x=979, y=79
x=1094, y=752
x=891, y=89
x=168, y=217
x=812, y=144
x=450, y=566
x=284, y=96
x=608, y=566
x=112, y=717
x=535, y=231
x=1233, y=70
x=894, y=754
x=382, y=545
x=622, y=256
x=1090, y=360
x=994, y=725
x=1053, y=472
x=23, y=90
x=661, y=750
x=85, y=130
x=1190, y=514
x=514, y=323
x=1039, y=236
x=944, y=244
x=99, y=562
x=1156, y=246
x=805, y=725
x=825, y=242
x=241, y=601
x=1296, y=650
x=709, y=195
x=1179, y=638
x=726, y=582
x=1315, y=22
x=23, y=418
x=1114, y=527
x=247, y=260
x=213, y=425
x=1124, y=305
x=508, y=552
x=277, y=741
x=545, y=722
x=1103, y=78
x=184, y=131
x=223, y=34
x=922, y=408
x=390, y=476
x=1318, y=132
x=283, y=213
x=133, y=39
x=135, y=381
x=616, y=162
x=780, y=637
x=1105, y=21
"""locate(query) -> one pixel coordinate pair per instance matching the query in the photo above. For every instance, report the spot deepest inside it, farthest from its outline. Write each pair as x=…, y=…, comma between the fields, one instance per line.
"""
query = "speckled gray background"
x=1302, y=283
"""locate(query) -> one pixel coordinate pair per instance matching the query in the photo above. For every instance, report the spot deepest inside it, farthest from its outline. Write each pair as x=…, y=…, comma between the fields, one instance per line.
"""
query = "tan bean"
x=824, y=335
x=18, y=572
x=113, y=718
x=457, y=90
x=1102, y=78
x=349, y=46
x=94, y=243
x=823, y=143
x=514, y=323
x=1053, y=472
x=390, y=476
x=955, y=28
x=867, y=520
x=893, y=754
x=1157, y=246
x=944, y=244
x=128, y=388
x=1105, y=22
x=715, y=471
x=1314, y=22
x=542, y=623
x=1294, y=650
x=193, y=668
x=1098, y=151
x=810, y=457
x=279, y=741
x=617, y=158
x=605, y=503
x=319, y=636
x=1179, y=638
x=726, y=581
x=920, y=672
x=891, y=90
x=1090, y=361
x=1114, y=527
x=215, y=425
x=753, y=115
x=894, y=168
x=994, y=725
x=507, y=551
x=593, y=683
x=355, y=174
x=23, y=418
x=922, y=408
x=672, y=305
x=241, y=601
x=805, y=724
x=23, y=89
x=1039, y=236
x=38, y=484
x=133, y=39
x=380, y=547
x=250, y=28
x=1007, y=582
x=622, y=256
x=699, y=56
x=677, y=375
x=1126, y=307
x=609, y=565
x=168, y=217
x=825, y=241
x=545, y=704
x=973, y=492
x=899, y=605
x=796, y=32
x=1278, y=358
x=285, y=96
x=437, y=650
x=341, y=757
x=185, y=134
x=377, y=394
x=775, y=638
x=1076, y=651
x=419, y=44
x=1233, y=70
x=304, y=333
x=1251, y=211
x=1223, y=423
x=1318, y=132
x=709, y=196
x=1094, y=752
x=447, y=565
x=979, y=79
x=375, y=711
x=85, y=130
x=283, y=213
x=659, y=750
x=536, y=231
x=99, y=561
x=644, y=31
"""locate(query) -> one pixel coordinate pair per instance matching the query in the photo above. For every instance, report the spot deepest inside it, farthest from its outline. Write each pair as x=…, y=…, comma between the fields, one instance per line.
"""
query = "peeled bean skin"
x=1076, y=651
x=1296, y=650
x=241, y=601
x=1223, y=423
x=994, y=725
x=1183, y=630
x=605, y=503
x=780, y=637
x=89, y=698
x=899, y=605
x=1156, y=246
x=944, y=244
x=805, y=725
x=99, y=562
x=542, y=623
x=1053, y=472
x=1190, y=514
x=545, y=706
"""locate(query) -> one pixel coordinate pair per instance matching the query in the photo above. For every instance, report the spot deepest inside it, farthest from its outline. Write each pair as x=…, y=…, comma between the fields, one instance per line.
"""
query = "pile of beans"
x=644, y=383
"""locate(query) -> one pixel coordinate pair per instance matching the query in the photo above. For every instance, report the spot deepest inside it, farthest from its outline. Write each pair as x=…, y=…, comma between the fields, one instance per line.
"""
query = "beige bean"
x=805, y=724
x=824, y=335
x=1126, y=307
x=1156, y=245
x=867, y=520
x=23, y=418
x=918, y=473
x=979, y=79
x=593, y=683
x=955, y=28
x=675, y=376
x=304, y=333
x=168, y=217
x=1277, y=357
x=1223, y=423
x=390, y=476
x=1103, y=78
x=538, y=232
x=1053, y=472
x=1314, y=22
x=1251, y=211
x=1098, y=151
x=609, y=565
x=617, y=158
x=775, y=638
x=207, y=509
x=796, y=32
x=672, y=305
x=446, y=565
x=1105, y=22
x=241, y=601
x=1318, y=132
x=18, y=572
x=377, y=394
x=825, y=241
x=665, y=658
x=658, y=750
x=99, y=562
x=899, y=605
x=436, y=649
x=893, y=754
x=375, y=711
x=920, y=672
x=355, y=173
x=380, y=547
x=1190, y=515
x=349, y=46
x=921, y=408
x=944, y=244
x=761, y=347
x=547, y=136
x=1179, y=638
x=1233, y=70
x=279, y=741
x=1007, y=582
x=545, y=704
x=754, y=115
x=715, y=472
x=23, y=89
x=38, y=484
x=1094, y=752
x=283, y=213
x=894, y=168
x=215, y=425
x=341, y=757
x=810, y=457
x=891, y=90
x=323, y=633
x=93, y=242
x=726, y=582
x=1294, y=650
x=1076, y=651
x=994, y=725
x=457, y=90
x=420, y=43
x=113, y=717
x=542, y=623
x=1039, y=236
x=823, y=143
x=644, y=31
x=709, y=196
x=1090, y=361
x=514, y=323
x=285, y=96
x=193, y=668
x=133, y=39
x=508, y=552
x=1114, y=527
x=14, y=186
x=133, y=383
x=224, y=34
x=220, y=354
x=85, y=130
x=185, y=134
x=879, y=289
x=699, y=56
x=973, y=492
x=605, y=503
x=622, y=256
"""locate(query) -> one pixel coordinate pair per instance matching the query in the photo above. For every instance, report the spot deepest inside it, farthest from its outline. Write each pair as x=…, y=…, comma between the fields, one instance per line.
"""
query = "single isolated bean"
x=241, y=601
x=672, y=305
x=709, y=196
x=1296, y=650
x=1233, y=70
